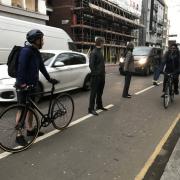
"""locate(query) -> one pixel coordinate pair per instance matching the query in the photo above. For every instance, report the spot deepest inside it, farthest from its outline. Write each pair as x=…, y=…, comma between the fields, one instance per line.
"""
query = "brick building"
x=84, y=20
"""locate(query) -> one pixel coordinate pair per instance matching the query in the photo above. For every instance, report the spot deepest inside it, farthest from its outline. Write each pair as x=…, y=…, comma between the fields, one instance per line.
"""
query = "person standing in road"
x=128, y=69
x=156, y=66
x=97, y=66
x=29, y=64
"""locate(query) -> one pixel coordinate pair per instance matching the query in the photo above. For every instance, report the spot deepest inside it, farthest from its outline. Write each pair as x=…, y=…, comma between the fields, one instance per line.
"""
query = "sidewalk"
x=172, y=170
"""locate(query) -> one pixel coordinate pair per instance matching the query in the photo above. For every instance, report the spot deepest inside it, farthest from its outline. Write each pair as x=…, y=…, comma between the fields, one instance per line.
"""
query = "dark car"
x=144, y=59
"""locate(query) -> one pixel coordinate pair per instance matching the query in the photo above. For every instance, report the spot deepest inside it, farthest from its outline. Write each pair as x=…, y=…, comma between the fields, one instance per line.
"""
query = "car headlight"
x=8, y=81
x=121, y=60
x=142, y=61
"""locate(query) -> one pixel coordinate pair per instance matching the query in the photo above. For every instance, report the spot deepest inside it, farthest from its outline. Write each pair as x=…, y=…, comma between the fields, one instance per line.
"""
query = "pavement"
x=172, y=170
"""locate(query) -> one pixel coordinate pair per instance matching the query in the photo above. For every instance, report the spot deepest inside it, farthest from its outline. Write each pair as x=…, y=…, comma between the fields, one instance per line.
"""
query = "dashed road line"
x=5, y=154
x=146, y=89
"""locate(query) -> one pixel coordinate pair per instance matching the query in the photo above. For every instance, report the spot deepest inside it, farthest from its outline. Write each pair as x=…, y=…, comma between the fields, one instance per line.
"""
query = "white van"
x=13, y=32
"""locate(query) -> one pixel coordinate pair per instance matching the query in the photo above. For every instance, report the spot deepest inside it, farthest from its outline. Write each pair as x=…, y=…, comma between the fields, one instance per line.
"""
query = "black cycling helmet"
x=33, y=35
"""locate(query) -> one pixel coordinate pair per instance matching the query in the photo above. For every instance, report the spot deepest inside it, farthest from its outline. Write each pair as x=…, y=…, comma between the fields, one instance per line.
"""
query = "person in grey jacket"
x=97, y=66
x=128, y=69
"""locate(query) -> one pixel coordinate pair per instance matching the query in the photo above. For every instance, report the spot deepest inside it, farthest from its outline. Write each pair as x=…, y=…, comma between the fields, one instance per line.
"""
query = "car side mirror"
x=58, y=64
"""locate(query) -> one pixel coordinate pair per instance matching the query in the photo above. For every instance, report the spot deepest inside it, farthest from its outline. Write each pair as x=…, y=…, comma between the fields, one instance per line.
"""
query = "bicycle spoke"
x=10, y=137
x=63, y=110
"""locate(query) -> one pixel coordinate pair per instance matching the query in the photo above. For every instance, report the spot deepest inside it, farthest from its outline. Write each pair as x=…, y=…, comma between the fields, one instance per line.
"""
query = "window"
x=71, y=59
x=139, y=51
x=17, y=3
x=31, y=5
x=79, y=59
x=47, y=58
x=66, y=58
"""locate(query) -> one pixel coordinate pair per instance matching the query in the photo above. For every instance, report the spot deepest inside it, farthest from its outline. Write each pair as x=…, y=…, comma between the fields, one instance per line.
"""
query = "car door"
x=78, y=69
x=152, y=58
x=62, y=72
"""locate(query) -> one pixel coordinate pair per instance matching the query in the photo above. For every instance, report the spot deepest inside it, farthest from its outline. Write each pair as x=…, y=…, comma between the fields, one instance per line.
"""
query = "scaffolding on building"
x=101, y=18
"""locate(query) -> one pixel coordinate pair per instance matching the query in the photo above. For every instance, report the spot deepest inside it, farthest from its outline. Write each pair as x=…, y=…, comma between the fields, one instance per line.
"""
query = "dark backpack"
x=12, y=62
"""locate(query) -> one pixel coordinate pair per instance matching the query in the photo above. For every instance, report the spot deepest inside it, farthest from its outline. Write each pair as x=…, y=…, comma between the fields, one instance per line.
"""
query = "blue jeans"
x=156, y=73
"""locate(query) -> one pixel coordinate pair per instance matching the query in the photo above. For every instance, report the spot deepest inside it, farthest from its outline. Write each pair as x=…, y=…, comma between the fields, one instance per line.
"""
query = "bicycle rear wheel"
x=14, y=122
x=62, y=111
x=166, y=96
x=172, y=94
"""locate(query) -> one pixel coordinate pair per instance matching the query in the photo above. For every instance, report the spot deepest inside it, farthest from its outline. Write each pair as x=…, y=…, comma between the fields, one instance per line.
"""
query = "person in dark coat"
x=171, y=64
x=156, y=66
x=97, y=66
x=29, y=64
x=128, y=69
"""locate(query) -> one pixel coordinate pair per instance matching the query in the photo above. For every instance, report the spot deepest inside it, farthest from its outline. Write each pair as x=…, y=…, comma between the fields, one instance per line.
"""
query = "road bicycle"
x=168, y=89
x=21, y=118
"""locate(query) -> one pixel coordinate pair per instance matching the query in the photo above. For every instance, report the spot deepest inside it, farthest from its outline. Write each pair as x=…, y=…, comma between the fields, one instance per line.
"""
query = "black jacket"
x=97, y=62
x=29, y=64
x=171, y=62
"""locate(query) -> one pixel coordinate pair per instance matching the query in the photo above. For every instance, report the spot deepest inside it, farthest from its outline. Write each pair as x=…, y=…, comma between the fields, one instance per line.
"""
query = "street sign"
x=172, y=35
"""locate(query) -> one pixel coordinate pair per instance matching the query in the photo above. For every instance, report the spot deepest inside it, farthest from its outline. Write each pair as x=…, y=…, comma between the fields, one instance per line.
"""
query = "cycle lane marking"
x=157, y=150
x=51, y=133
x=5, y=154
x=146, y=89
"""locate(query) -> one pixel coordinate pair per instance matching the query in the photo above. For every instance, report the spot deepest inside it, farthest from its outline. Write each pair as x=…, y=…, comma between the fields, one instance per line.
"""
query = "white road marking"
x=5, y=154
x=146, y=89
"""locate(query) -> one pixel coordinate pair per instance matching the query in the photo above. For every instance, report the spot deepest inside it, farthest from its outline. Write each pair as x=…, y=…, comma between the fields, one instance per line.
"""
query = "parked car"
x=143, y=59
x=70, y=68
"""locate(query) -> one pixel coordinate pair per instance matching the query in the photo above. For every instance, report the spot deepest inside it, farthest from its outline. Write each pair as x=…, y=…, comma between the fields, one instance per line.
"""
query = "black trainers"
x=155, y=83
x=21, y=141
x=33, y=132
x=102, y=108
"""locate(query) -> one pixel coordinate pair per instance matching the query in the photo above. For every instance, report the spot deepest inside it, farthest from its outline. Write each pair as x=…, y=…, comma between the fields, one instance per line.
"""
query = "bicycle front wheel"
x=166, y=96
x=62, y=111
x=14, y=123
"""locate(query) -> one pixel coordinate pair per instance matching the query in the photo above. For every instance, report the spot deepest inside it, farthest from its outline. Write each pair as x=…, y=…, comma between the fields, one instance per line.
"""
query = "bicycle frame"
x=33, y=104
x=170, y=81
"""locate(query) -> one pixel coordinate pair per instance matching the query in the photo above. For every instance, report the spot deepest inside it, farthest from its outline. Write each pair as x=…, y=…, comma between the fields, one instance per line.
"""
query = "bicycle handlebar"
x=31, y=87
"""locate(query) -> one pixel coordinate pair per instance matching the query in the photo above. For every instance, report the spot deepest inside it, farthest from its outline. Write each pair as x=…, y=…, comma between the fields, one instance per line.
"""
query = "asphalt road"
x=112, y=146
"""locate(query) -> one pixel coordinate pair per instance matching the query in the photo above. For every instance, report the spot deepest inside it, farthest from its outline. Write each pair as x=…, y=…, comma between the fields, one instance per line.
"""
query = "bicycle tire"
x=166, y=96
x=9, y=128
x=62, y=111
x=172, y=94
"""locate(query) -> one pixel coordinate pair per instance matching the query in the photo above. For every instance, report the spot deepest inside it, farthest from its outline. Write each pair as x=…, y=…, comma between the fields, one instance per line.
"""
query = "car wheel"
x=39, y=89
x=87, y=83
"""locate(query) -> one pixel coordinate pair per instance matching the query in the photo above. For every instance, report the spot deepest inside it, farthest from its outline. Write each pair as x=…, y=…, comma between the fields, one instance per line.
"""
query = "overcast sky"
x=174, y=17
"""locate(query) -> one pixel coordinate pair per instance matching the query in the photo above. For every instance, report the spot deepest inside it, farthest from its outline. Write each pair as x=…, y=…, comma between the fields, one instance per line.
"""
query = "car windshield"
x=47, y=57
x=141, y=51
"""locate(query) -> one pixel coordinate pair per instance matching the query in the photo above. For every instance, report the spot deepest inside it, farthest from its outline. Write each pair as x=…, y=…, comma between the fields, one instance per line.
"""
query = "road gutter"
x=150, y=161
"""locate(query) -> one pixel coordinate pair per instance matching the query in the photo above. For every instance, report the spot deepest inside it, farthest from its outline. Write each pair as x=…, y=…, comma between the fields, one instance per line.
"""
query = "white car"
x=69, y=67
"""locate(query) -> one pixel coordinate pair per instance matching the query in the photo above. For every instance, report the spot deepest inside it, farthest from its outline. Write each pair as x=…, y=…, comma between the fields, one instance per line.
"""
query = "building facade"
x=84, y=20
x=154, y=18
x=165, y=29
x=28, y=10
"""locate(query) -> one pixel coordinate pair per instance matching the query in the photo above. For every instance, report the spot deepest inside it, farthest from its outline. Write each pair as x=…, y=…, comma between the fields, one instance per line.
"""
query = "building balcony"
x=161, y=22
x=156, y=7
x=155, y=18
